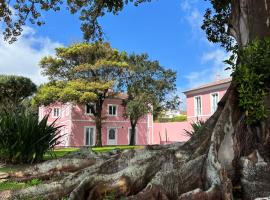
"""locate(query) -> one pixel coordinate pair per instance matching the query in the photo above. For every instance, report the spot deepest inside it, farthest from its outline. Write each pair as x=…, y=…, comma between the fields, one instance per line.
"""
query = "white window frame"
x=116, y=135
x=85, y=109
x=116, y=108
x=136, y=135
x=211, y=101
x=94, y=136
x=195, y=106
x=59, y=114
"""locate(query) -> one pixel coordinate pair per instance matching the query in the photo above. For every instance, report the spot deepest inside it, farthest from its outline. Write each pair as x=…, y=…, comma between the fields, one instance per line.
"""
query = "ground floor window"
x=89, y=136
x=112, y=136
x=129, y=135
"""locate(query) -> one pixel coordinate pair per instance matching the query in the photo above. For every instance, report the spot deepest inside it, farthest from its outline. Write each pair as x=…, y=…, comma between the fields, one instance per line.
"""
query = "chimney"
x=218, y=77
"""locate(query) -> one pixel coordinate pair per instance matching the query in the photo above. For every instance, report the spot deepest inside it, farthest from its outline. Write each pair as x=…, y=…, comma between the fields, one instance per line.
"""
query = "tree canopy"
x=14, y=89
x=15, y=14
x=148, y=86
x=83, y=73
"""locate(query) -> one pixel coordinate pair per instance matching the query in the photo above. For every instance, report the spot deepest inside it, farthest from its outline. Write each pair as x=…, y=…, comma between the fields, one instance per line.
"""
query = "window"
x=112, y=110
x=214, y=102
x=56, y=112
x=198, y=106
x=89, y=136
x=88, y=109
x=129, y=135
x=112, y=134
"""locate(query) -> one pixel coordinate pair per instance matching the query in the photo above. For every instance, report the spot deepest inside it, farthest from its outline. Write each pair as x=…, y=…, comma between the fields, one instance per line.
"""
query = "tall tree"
x=229, y=158
x=13, y=90
x=148, y=85
x=83, y=73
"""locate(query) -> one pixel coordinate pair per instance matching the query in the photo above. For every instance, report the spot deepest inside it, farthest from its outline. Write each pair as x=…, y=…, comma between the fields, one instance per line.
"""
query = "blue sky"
x=169, y=31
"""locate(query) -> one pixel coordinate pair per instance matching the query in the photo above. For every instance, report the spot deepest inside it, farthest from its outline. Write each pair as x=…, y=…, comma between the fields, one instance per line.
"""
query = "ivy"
x=252, y=77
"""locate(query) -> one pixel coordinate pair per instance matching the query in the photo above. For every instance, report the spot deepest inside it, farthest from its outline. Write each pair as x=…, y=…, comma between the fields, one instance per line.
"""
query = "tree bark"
x=98, y=121
x=227, y=160
x=133, y=134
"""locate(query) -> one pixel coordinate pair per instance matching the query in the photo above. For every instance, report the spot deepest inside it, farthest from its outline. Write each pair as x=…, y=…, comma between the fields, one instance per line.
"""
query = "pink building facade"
x=202, y=101
x=78, y=127
x=201, y=104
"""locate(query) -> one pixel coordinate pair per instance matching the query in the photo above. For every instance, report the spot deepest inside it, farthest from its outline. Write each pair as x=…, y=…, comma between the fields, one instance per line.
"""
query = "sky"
x=167, y=30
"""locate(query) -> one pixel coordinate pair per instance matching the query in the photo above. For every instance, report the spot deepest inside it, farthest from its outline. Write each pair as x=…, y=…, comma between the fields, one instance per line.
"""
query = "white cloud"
x=216, y=59
x=215, y=69
x=193, y=16
x=23, y=56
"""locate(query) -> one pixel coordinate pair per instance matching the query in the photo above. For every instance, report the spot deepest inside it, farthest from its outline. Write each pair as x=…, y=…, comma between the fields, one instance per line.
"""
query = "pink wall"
x=74, y=119
x=174, y=130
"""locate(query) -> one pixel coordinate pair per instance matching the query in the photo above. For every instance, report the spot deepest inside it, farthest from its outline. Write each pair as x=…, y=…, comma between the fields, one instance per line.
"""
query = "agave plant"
x=25, y=139
x=196, y=127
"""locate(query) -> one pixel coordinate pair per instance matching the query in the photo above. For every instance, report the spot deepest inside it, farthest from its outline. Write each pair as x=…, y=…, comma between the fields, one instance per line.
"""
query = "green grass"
x=12, y=185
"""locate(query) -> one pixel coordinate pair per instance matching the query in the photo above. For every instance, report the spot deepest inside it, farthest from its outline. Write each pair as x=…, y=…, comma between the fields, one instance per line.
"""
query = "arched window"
x=112, y=134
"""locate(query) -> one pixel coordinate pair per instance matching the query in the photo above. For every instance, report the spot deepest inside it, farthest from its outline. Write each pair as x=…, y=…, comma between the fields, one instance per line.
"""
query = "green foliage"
x=34, y=182
x=13, y=185
x=25, y=139
x=252, y=79
x=13, y=90
x=216, y=23
x=196, y=129
x=148, y=85
x=83, y=73
x=179, y=118
x=14, y=14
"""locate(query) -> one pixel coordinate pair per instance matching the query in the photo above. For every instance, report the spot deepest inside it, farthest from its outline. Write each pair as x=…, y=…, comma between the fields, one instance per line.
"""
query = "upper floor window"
x=56, y=112
x=88, y=109
x=214, y=102
x=112, y=110
x=198, y=106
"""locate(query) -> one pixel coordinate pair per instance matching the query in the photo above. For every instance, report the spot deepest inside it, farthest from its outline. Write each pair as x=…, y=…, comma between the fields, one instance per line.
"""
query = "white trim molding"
x=116, y=135
x=94, y=135
x=59, y=112
x=195, y=106
x=211, y=101
x=116, y=110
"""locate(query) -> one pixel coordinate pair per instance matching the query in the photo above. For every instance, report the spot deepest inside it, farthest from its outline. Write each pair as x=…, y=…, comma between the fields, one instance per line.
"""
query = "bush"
x=23, y=139
x=179, y=118
x=196, y=128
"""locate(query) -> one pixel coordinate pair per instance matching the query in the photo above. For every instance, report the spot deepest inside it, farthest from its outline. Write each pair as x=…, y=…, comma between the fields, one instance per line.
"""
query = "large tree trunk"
x=98, y=121
x=132, y=134
x=227, y=160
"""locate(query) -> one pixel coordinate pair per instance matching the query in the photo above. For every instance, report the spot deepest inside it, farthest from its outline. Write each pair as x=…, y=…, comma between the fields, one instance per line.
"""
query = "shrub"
x=25, y=139
x=179, y=118
x=196, y=128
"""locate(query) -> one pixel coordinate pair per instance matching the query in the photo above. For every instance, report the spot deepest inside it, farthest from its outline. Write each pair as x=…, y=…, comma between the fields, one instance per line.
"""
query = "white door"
x=89, y=136
x=112, y=136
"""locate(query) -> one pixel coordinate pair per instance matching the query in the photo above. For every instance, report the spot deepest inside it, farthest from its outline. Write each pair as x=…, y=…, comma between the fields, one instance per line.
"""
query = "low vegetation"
x=180, y=118
x=25, y=139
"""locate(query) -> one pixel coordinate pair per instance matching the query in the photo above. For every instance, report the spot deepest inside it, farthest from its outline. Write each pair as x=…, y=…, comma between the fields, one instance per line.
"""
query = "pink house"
x=202, y=101
x=79, y=127
x=201, y=104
